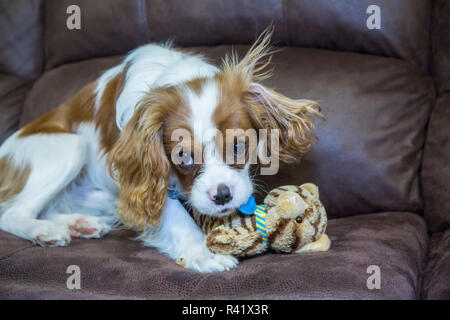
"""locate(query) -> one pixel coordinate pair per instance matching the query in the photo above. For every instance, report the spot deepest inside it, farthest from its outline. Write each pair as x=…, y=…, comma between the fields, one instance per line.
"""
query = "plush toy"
x=292, y=219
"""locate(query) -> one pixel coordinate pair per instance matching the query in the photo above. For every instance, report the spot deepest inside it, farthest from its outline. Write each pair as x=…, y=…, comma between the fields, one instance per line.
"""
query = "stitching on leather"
x=20, y=87
x=44, y=37
x=144, y=19
x=80, y=291
x=8, y=255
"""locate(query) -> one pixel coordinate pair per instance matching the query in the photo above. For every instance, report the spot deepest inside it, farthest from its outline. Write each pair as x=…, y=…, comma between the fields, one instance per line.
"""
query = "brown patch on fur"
x=266, y=108
x=202, y=220
x=13, y=179
x=105, y=118
x=316, y=226
x=185, y=176
x=273, y=111
x=178, y=116
x=81, y=109
x=66, y=117
x=243, y=221
x=196, y=85
x=222, y=247
x=297, y=240
x=211, y=222
x=300, y=192
x=309, y=212
x=253, y=220
x=212, y=236
x=250, y=250
x=230, y=221
x=279, y=230
x=231, y=114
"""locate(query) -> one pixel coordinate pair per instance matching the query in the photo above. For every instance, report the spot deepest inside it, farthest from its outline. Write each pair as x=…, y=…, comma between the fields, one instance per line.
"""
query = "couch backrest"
x=342, y=25
x=435, y=171
x=21, y=38
x=441, y=44
x=31, y=28
x=116, y=26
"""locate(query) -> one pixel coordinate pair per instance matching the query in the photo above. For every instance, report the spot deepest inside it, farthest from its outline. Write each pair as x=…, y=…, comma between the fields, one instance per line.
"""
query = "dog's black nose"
x=223, y=194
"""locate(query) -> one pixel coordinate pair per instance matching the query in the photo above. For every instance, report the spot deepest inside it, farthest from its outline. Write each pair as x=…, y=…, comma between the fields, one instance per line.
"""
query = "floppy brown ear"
x=140, y=165
x=271, y=110
x=267, y=108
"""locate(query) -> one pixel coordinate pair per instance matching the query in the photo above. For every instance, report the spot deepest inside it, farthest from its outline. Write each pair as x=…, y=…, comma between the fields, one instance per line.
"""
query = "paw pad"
x=82, y=227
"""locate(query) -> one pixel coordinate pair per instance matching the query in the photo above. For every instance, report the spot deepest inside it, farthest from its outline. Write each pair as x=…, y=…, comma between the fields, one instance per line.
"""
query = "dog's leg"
x=54, y=160
x=181, y=239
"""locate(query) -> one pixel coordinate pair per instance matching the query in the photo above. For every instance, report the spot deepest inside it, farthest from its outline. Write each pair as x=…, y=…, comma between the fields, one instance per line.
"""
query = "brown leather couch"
x=382, y=162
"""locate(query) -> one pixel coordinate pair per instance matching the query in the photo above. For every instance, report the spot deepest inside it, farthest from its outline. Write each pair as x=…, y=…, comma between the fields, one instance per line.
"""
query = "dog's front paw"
x=50, y=235
x=87, y=227
x=206, y=261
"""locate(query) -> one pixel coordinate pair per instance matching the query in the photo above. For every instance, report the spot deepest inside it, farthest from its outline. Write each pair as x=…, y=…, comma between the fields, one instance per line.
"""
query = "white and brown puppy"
x=106, y=154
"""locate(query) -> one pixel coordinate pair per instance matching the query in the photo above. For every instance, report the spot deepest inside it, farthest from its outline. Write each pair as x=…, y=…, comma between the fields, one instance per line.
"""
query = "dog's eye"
x=186, y=160
x=298, y=219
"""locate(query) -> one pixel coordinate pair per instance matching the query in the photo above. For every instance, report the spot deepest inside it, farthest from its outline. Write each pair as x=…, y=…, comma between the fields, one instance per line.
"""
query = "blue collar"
x=249, y=207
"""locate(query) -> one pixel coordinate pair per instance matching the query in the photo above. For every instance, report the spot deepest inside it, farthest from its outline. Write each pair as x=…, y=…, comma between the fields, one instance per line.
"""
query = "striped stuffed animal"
x=292, y=219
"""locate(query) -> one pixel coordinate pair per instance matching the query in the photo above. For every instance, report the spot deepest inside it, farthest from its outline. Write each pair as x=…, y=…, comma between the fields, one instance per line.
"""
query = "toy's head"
x=294, y=217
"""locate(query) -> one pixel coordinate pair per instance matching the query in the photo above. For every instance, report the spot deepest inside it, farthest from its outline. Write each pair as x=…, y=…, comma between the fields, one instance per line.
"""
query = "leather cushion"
x=437, y=275
x=341, y=25
x=107, y=28
x=435, y=176
x=21, y=38
x=370, y=146
x=441, y=44
x=12, y=96
x=198, y=22
x=118, y=268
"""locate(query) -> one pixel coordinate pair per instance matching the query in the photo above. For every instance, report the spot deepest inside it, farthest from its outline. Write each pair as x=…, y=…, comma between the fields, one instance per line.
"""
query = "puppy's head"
x=202, y=136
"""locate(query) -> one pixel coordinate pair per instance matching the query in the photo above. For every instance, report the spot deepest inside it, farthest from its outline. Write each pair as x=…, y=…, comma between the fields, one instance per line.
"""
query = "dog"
x=106, y=156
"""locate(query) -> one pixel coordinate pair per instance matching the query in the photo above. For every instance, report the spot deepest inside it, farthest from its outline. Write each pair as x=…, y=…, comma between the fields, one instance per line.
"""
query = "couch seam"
x=30, y=84
x=430, y=59
x=144, y=19
x=10, y=254
x=431, y=66
x=423, y=265
x=44, y=36
x=26, y=83
x=420, y=295
x=25, y=98
x=42, y=8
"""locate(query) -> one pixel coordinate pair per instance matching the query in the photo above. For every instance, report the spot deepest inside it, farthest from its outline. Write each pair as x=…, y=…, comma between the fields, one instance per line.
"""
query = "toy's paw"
x=51, y=235
x=322, y=244
x=206, y=261
x=231, y=241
